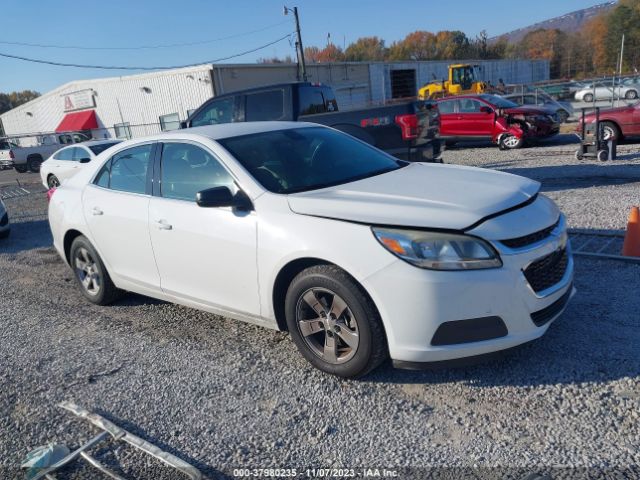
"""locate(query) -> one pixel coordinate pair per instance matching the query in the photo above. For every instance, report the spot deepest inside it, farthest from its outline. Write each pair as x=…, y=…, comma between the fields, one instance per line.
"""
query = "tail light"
x=11, y=155
x=409, y=126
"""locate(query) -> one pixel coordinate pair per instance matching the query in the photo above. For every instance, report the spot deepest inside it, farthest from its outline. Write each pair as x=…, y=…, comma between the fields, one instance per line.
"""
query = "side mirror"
x=222, y=197
x=486, y=109
x=85, y=160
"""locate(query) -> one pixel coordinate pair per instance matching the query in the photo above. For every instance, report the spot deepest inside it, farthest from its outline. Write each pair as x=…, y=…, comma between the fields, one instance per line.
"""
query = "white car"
x=299, y=227
x=5, y=229
x=67, y=161
x=606, y=92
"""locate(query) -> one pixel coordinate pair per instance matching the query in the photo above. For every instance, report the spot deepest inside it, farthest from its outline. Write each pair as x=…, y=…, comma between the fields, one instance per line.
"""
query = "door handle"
x=163, y=225
x=96, y=211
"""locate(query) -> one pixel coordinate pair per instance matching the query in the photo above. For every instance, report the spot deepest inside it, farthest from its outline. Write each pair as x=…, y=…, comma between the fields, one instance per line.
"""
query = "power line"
x=143, y=47
x=105, y=67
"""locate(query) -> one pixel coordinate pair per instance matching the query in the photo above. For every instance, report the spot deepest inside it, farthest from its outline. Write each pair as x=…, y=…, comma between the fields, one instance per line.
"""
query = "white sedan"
x=299, y=227
x=66, y=162
x=606, y=92
x=5, y=229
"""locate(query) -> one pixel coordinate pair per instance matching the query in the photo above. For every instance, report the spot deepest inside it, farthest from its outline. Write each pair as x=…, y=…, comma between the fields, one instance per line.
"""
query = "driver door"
x=204, y=255
x=474, y=121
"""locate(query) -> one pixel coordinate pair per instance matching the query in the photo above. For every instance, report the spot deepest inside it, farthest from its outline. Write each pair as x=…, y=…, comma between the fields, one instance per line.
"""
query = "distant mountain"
x=571, y=22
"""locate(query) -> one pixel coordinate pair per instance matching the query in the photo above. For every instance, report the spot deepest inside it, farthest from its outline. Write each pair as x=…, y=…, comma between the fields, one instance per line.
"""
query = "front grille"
x=547, y=271
x=5, y=220
x=545, y=315
x=530, y=239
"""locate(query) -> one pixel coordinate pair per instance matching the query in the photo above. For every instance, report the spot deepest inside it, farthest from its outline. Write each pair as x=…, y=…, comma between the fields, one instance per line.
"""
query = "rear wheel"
x=563, y=115
x=609, y=131
x=52, y=181
x=33, y=163
x=603, y=155
x=90, y=273
x=334, y=323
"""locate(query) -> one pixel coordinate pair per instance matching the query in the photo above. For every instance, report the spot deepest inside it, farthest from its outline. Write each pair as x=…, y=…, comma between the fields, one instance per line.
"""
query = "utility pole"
x=302, y=67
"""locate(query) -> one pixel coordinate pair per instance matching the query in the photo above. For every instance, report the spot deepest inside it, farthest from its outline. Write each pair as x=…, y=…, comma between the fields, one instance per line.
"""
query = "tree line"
x=594, y=50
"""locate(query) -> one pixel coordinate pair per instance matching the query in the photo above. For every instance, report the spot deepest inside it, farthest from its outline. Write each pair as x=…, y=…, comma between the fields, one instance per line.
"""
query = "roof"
x=225, y=130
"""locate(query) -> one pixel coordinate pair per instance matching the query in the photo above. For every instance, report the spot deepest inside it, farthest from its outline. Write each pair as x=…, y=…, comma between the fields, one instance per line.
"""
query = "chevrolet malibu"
x=299, y=227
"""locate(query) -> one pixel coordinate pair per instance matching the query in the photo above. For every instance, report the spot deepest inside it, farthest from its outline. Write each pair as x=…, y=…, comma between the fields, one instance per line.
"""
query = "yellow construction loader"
x=463, y=79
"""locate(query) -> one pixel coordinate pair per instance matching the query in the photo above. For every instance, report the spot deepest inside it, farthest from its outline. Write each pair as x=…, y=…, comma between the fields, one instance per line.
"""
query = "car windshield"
x=499, y=101
x=101, y=147
x=302, y=159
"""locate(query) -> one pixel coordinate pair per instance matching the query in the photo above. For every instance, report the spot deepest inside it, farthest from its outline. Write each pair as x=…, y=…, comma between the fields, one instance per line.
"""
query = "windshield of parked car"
x=499, y=102
x=101, y=147
x=302, y=159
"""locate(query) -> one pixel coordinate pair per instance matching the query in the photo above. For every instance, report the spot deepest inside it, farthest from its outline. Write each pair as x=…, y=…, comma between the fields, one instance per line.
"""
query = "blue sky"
x=120, y=23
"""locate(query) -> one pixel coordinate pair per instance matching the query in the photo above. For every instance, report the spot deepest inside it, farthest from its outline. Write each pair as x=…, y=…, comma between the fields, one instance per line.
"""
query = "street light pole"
x=302, y=67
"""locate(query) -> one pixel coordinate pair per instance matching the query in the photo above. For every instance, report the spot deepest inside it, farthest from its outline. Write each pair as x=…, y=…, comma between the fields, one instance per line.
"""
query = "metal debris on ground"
x=44, y=461
x=602, y=244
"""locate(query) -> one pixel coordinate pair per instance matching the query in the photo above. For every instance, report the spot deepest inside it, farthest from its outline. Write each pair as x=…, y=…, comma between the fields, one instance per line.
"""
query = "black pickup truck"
x=407, y=130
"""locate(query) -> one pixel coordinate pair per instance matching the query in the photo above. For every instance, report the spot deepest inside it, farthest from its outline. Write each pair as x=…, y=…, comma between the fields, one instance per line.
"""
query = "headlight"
x=438, y=251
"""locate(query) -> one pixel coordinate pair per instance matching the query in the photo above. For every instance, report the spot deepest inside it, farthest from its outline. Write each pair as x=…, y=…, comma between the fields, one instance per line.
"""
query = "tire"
x=21, y=168
x=510, y=142
x=86, y=263
x=52, y=181
x=579, y=155
x=603, y=155
x=563, y=115
x=610, y=131
x=588, y=98
x=4, y=234
x=349, y=344
x=631, y=95
x=33, y=164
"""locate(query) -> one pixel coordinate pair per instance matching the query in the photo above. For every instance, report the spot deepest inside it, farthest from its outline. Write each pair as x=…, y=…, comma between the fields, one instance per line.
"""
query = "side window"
x=102, y=179
x=64, y=154
x=469, y=105
x=187, y=169
x=80, y=153
x=220, y=111
x=311, y=101
x=264, y=106
x=446, y=107
x=330, y=102
x=129, y=169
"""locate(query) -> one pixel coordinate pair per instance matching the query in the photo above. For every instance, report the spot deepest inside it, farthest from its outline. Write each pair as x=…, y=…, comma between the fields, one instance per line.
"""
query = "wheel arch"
x=286, y=275
x=69, y=237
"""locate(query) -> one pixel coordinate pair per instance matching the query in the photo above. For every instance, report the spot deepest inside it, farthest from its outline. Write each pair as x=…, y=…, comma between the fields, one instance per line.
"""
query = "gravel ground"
x=223, y=394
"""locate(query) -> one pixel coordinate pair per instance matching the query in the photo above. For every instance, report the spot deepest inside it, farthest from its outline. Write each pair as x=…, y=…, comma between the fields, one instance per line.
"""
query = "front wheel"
x=52, y=181
x=631, y=95
x=510, y=142
x=588, y=98
x=334, y=323
x=90, y=273
x=609, y=131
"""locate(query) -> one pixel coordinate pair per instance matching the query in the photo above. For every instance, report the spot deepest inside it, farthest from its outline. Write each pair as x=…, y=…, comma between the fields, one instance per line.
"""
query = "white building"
x=143, y=104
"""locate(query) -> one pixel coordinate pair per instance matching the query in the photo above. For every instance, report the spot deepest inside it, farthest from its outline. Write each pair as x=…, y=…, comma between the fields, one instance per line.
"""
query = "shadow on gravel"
x=168, y=472
x=595, y=340
x=135, y=300
x=29, y=235
x=561, y=139
x=571, y=177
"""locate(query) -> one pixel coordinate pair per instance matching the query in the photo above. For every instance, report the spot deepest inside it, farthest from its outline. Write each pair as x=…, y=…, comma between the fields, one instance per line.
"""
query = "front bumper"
x=414, y=303
x=6, y=163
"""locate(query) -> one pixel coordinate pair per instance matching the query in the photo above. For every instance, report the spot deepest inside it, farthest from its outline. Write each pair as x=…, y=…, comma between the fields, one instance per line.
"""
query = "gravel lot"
x=222, y=394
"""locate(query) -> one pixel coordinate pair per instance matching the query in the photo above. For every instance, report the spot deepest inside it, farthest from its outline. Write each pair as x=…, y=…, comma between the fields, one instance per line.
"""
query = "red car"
x=489, y=117
x=616, y=123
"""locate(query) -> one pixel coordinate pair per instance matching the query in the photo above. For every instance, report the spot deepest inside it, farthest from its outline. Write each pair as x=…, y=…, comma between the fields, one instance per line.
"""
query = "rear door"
x=449, y=118
x=116, y=208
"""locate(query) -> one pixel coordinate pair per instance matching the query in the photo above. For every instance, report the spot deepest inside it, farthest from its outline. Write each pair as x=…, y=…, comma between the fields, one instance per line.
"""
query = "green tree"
x=365, y=49
x=15, y=99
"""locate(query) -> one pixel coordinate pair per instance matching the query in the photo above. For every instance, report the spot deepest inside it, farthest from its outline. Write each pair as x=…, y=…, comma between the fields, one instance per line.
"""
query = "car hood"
x=420, y=195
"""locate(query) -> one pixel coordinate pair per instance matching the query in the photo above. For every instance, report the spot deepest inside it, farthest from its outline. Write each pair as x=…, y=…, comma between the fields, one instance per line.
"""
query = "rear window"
x=262, y=106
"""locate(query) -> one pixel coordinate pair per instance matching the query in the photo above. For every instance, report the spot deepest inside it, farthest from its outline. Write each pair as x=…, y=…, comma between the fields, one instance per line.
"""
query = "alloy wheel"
x=608, y=133
x=86, y=270
x=53, y=181
x=327, y=325
x=511, y=141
